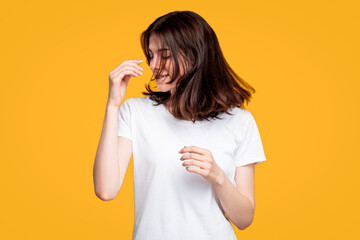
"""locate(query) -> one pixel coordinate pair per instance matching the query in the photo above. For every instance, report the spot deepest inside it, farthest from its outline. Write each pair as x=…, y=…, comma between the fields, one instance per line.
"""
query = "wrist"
x=110, y=107
x=220, y=180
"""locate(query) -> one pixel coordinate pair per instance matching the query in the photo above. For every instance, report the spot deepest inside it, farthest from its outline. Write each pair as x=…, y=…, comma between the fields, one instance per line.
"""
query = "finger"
x=200, y=171
x=195, y=149
x=126, y=65
x=127, y=69
x=196, y=163
x=132, y=69
x=193, y=156
x=135, y=63
x=121, y=71
x=122, y=74
x=137, y=68
x=131, y=64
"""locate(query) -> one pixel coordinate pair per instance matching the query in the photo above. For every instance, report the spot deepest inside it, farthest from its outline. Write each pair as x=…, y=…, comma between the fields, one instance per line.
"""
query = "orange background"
x=301, y=57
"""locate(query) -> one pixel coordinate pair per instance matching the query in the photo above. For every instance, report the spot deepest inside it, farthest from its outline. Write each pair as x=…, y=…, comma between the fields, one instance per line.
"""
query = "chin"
x=162, y=89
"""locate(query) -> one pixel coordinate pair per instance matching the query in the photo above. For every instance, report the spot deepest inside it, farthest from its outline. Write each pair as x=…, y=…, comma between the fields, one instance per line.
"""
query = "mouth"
x=160, y=78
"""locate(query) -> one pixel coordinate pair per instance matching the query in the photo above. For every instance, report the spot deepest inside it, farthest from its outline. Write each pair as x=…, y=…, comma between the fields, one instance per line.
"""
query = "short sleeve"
x=124, y=120
x=250, y=149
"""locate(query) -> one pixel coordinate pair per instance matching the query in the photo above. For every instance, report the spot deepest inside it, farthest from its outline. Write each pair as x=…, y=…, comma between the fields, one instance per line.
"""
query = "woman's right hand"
x=119, y=79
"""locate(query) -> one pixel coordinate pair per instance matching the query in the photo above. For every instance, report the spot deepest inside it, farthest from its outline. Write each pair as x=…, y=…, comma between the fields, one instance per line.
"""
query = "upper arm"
x=125, y=152
x=244, y=179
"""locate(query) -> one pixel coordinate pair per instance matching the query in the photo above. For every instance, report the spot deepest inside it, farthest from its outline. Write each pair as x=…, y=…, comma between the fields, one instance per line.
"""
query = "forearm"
x=106, y=170
x=236, y=205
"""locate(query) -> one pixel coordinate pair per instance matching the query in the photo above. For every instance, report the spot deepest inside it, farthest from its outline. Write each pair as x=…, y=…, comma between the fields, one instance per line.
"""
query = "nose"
x=154, y=64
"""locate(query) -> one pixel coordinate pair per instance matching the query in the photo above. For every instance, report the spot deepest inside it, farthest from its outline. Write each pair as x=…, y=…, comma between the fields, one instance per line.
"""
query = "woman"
x=194, y=145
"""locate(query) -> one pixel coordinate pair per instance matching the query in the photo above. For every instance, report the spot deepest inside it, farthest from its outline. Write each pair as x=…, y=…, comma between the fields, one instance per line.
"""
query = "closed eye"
x=165, y=53
x=163, y=57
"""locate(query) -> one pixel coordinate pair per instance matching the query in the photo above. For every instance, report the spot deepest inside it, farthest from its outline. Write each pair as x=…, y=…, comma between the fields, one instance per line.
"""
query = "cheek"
x=169, y=67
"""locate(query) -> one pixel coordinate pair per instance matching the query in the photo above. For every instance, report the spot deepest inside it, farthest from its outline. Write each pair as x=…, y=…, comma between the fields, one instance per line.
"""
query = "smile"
x=161, y=78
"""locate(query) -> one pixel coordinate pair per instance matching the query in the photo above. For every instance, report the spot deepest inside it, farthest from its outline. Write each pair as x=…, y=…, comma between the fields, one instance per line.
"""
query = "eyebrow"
x=161, y=50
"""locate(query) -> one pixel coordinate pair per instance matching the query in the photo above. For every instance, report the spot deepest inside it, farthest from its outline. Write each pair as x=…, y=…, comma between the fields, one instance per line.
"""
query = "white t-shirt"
x=171, y=202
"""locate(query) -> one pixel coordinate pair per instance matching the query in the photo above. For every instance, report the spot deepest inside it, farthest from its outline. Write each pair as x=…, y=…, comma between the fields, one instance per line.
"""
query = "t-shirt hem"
x=256, y=160
x=124, y=135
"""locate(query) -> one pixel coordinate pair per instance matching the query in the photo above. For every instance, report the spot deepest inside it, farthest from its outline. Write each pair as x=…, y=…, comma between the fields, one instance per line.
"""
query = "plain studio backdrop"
x=301, y=57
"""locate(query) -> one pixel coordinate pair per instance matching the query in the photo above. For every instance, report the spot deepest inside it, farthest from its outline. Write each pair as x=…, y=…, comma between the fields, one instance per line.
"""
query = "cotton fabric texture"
x=170, y=202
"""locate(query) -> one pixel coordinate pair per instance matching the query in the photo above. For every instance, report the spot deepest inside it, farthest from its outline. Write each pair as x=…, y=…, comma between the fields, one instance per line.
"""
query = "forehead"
x=155, y=43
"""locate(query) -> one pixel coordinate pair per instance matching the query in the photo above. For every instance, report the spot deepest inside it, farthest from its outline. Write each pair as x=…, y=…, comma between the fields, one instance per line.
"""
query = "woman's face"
x=156, y=54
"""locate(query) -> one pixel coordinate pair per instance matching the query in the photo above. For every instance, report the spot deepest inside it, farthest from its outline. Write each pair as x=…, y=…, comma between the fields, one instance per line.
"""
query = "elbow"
x=105, y=193
x=245, y=223
x=243, y=227
x=105, y=196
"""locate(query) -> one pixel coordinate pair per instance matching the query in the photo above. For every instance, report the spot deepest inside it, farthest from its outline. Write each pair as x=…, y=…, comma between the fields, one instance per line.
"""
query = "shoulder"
x=239, y=116
x=137, y=101
x=139, y=105
x=239, y=121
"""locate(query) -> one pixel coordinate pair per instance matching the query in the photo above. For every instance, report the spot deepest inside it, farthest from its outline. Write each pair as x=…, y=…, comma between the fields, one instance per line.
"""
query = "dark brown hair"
x=209, y=85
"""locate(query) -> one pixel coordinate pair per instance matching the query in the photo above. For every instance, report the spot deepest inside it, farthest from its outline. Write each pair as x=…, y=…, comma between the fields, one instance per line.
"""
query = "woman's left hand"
x=202, y=158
